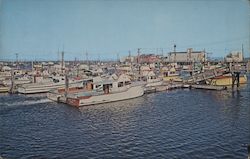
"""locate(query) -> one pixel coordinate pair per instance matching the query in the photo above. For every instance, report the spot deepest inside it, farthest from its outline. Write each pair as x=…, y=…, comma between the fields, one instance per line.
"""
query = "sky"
x=37, y=29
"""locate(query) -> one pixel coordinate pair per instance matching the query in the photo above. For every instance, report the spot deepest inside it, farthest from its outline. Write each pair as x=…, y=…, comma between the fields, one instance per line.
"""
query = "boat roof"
x=103, y=82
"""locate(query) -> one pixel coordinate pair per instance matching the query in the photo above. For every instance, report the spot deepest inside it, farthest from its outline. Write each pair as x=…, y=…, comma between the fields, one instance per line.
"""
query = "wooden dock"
x=208, y=74
x=4, y=89
x=208, y=87
x=164, y=87
x=235, y=69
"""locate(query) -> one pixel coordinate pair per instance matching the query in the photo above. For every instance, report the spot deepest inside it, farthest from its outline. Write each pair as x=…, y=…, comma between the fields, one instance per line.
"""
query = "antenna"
x=17, y=59
x=118, y=57
x=99, y=59
x=87, y=58
x=58, y=54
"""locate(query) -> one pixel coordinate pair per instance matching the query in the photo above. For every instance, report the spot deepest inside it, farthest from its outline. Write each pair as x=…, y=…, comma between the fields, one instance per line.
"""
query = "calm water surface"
x=175, y=124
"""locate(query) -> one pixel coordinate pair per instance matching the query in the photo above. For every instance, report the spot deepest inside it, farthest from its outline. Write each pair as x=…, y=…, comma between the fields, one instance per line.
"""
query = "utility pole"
x=58, y=55
x=99, y=59
x=17, y=60
x=62, y=65
x=87, y=58
x=129, y=56
x=118, y=58
x=138, y=55
x=242, y=51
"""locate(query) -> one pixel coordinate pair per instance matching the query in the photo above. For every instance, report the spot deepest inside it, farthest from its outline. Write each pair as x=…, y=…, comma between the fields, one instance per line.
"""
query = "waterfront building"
x=149, y=58
x=186, y=56
x=234, y=56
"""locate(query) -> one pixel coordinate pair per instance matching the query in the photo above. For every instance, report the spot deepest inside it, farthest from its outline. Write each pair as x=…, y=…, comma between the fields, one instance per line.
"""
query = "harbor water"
x=180, y=123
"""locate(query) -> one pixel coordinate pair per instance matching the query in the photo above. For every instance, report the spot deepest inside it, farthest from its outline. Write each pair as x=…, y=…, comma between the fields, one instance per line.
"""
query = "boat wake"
x=29, y=102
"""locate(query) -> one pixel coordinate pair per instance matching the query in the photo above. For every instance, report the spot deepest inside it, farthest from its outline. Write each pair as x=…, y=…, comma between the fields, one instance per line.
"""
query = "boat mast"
x=62, y=64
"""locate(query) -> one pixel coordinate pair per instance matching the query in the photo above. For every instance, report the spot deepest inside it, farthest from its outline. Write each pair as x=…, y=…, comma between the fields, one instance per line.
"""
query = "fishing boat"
x=226, y=80
x=45, y=85
x=171, y=74
x=58, y=94
x=18, y=80
x=152, y=80
x=107, y=91
x=4, y=89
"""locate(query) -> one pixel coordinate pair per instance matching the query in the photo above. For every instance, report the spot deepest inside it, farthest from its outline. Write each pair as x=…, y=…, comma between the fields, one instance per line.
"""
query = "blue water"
x=175, y=124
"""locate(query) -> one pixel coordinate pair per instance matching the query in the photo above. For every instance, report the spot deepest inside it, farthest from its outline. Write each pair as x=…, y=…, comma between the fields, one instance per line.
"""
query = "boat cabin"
x=110, y=85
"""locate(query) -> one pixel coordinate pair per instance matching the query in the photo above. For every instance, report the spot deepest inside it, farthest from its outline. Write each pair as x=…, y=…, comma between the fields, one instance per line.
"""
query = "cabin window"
x=110, y=85
x=97, y=86
x=55, y=80
x=120, y=84
x=127, y=82
x=172, y=72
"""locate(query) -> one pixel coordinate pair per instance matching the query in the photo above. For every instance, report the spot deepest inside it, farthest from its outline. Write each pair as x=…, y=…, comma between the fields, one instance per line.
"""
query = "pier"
x=234, y=69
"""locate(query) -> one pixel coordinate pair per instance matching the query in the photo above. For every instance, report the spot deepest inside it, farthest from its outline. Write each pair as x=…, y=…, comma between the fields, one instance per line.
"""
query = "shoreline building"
x=234, y=56
x=143, y=58
x=186, y=56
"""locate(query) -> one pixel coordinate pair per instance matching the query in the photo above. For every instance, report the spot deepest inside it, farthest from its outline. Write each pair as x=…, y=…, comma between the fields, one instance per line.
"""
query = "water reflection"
x=176, y=124
x=118, y=115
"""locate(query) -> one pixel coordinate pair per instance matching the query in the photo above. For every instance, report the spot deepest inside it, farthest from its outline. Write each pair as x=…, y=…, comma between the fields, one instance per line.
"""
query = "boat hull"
x=4, y=89
x=172, y=78
x=132, y=92
x=42, y=88
x=39, y=89
x=227, y=80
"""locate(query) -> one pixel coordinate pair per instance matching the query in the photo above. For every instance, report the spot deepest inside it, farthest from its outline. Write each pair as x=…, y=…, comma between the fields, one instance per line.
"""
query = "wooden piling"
x=12, y=87
x=66, y=85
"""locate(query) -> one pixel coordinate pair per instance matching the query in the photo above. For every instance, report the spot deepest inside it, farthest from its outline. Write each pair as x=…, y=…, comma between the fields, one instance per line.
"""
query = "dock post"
x=233, y=80
x=248, y=150
x=238, y=79
x=66, y=85
x=12, y=87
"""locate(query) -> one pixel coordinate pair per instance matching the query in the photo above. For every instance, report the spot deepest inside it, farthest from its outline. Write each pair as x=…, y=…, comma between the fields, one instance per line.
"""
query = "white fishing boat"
x=107, y=91
x=58, y=94
x=153, y=80
x=46, y=85
x=4, y=89
x=18, y=80
x=171, y=74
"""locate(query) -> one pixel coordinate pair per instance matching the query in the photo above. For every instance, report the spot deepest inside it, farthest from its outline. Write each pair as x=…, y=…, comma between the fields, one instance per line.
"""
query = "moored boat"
x=44, y=87
x=226, y=80
x=171, y=74
x=107, y=91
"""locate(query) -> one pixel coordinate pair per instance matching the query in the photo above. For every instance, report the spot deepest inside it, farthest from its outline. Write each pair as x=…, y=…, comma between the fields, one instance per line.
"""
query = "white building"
x=188, y=56
x=234, y=56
